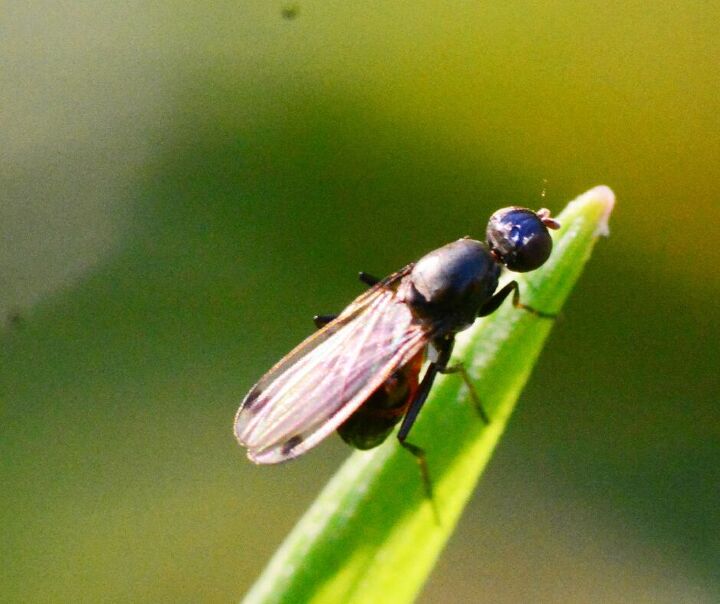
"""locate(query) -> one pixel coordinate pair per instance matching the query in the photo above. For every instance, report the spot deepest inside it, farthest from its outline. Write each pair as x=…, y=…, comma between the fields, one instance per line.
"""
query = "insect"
x=360, y=373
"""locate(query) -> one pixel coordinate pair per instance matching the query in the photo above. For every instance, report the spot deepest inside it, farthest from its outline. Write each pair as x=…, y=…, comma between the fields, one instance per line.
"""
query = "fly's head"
x=519, y=238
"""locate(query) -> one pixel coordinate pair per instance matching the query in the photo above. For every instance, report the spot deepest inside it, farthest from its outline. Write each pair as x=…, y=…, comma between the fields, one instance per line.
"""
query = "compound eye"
x=519, y=237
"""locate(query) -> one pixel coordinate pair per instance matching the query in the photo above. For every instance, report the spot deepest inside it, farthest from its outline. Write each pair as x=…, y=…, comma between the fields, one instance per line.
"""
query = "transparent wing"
x=311, y=391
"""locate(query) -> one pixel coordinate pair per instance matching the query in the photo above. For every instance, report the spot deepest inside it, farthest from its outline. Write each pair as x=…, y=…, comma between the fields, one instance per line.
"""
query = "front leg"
x=499, y=297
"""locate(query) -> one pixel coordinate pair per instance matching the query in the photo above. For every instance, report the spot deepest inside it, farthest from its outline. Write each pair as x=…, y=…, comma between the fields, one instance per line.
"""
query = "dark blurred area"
x=185, y=187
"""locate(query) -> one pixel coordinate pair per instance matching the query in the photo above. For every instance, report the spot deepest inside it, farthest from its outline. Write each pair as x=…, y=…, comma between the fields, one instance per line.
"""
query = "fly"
x=360, y=373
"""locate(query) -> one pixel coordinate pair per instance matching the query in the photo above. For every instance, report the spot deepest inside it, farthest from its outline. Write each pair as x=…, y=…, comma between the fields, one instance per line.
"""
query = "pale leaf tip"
x=605, y=197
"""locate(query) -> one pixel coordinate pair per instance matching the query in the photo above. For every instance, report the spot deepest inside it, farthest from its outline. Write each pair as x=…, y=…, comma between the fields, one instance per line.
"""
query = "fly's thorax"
x=448, y=286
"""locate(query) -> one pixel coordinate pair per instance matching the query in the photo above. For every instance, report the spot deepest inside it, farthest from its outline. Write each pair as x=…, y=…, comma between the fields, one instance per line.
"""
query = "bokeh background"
x=185, y=185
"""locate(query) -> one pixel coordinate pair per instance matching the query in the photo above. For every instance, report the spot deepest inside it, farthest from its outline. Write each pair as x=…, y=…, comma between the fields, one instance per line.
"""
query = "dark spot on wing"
x=247, y=404
x=291, y=444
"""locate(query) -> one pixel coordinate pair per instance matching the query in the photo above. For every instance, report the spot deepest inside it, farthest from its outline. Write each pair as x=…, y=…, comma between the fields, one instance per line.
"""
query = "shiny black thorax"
x=447, y=287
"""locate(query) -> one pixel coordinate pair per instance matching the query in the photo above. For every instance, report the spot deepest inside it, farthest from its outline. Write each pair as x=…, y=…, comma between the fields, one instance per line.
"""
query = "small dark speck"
x=290, y=12
x=14, y=320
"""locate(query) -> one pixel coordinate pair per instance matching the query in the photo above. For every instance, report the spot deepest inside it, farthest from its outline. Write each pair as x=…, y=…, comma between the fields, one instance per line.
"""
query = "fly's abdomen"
x=372, y=423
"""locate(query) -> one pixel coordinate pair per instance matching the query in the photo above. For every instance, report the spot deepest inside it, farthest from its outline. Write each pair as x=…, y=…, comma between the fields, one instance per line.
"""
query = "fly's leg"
x=460, y=368
x=418, y=452
x=444, y=348
x=421, y=458
x=368, y=280
x=323, y=320
x=494, y=303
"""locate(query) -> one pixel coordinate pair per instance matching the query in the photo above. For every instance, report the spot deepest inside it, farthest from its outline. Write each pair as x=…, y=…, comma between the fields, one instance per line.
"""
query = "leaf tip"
x=594, y=206
x=604, y=196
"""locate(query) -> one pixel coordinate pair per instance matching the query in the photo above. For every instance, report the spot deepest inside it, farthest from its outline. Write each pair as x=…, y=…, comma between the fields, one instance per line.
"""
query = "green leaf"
x=371, y=535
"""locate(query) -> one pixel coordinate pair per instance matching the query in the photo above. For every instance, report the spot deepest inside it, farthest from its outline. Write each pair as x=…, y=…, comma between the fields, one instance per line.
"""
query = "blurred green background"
x=185, y=185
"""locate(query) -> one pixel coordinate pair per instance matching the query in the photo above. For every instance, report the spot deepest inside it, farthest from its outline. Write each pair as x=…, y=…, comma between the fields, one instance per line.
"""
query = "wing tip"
x=275, y=454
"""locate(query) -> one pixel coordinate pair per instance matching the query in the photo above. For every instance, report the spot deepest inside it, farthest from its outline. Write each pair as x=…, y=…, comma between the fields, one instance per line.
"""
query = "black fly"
x=360, y=373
